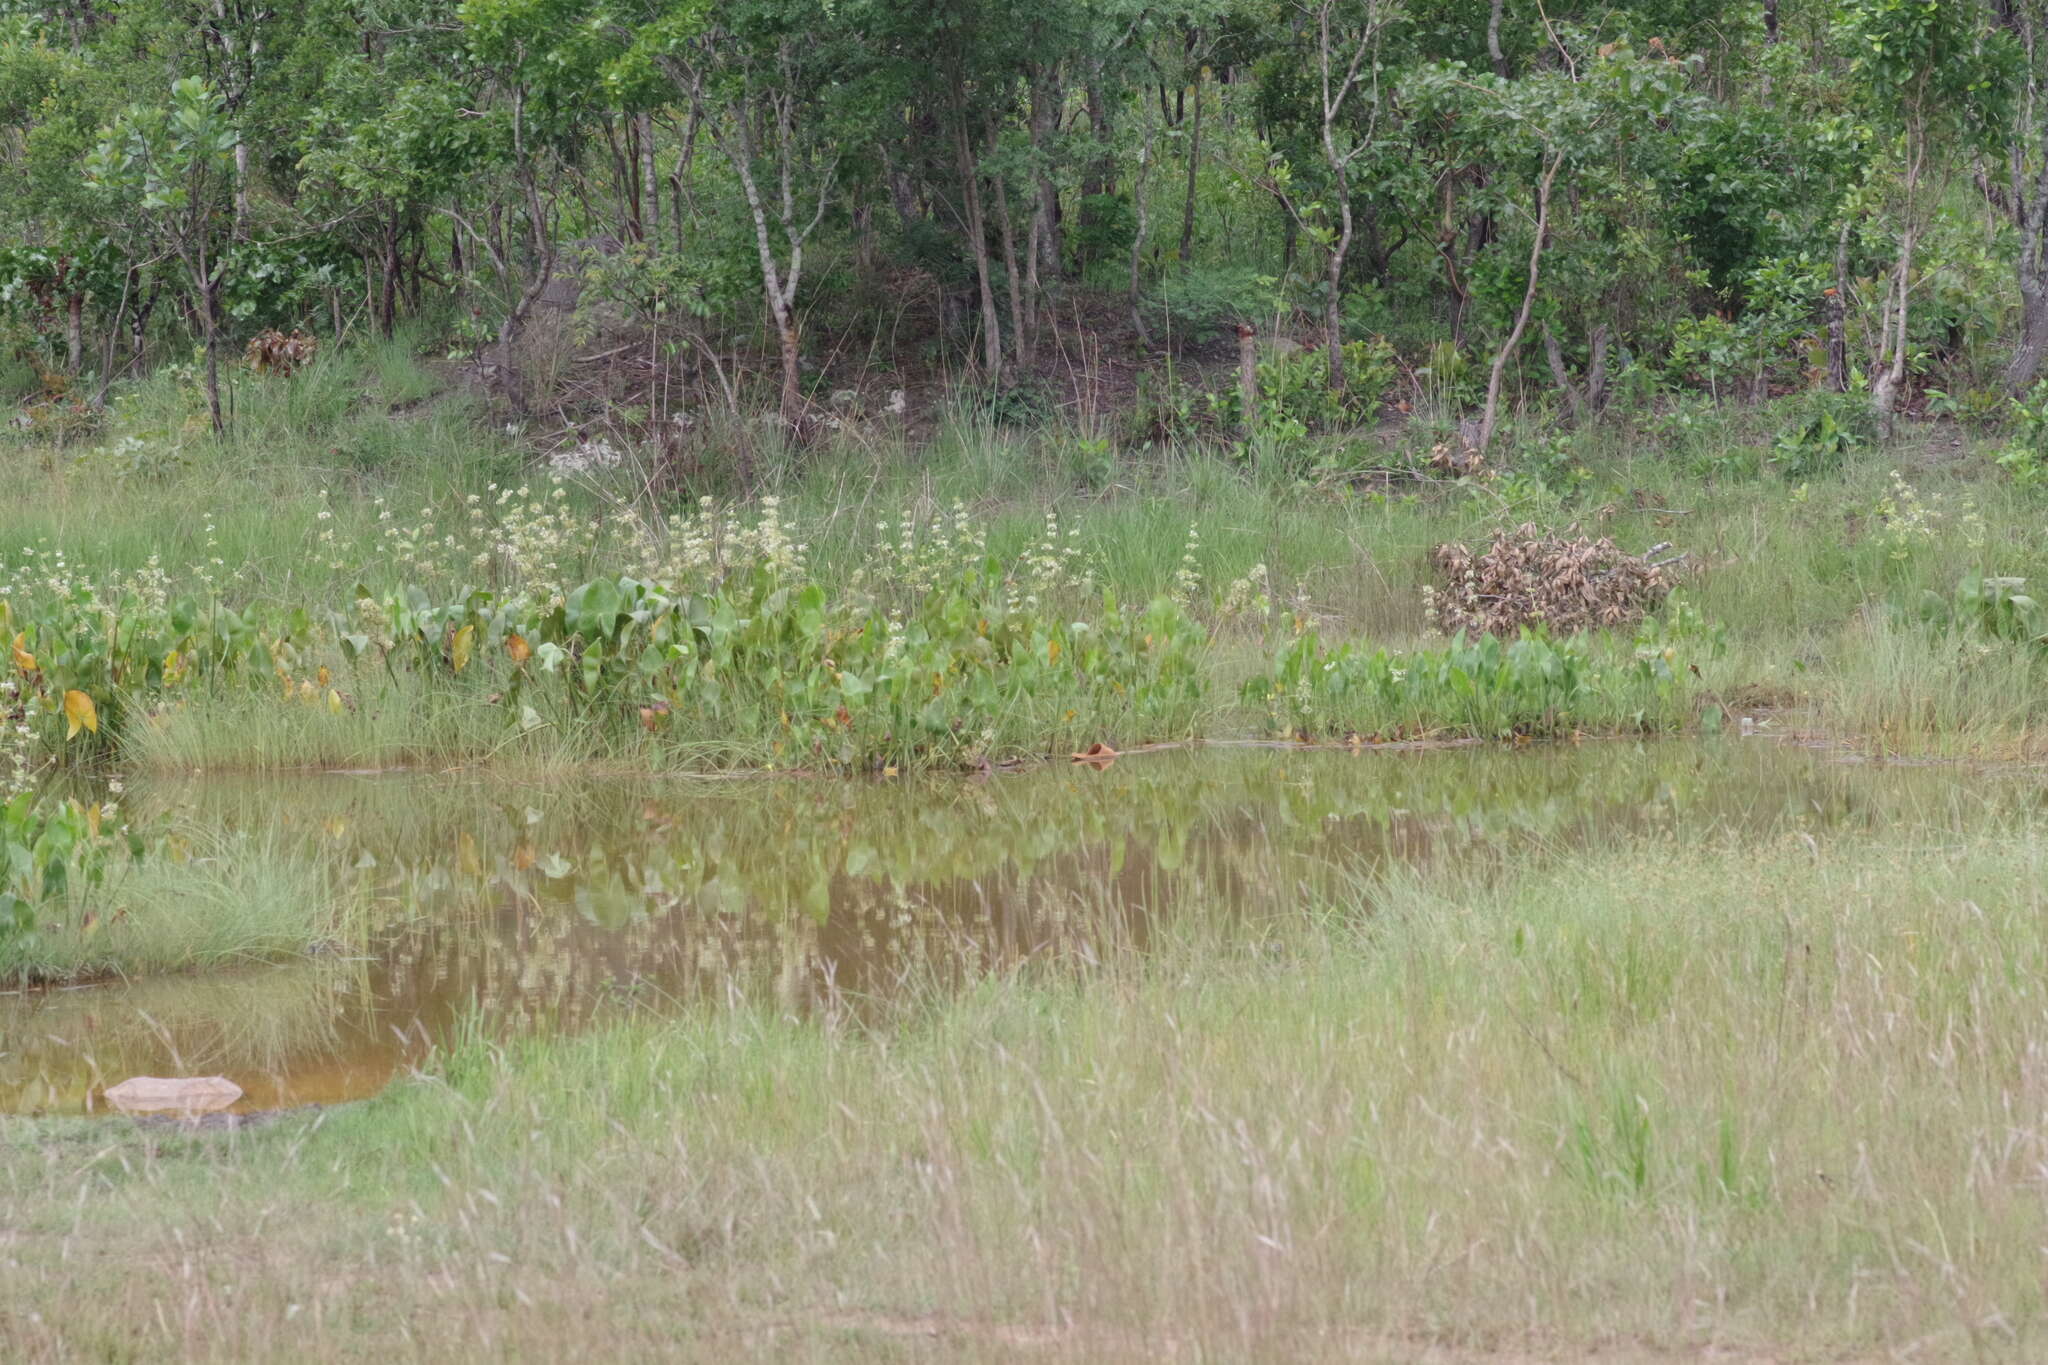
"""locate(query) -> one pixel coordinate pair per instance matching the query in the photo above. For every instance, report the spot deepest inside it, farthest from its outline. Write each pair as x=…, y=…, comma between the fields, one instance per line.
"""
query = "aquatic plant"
x=1484, y=688
x=50, y=846
x=816, y=677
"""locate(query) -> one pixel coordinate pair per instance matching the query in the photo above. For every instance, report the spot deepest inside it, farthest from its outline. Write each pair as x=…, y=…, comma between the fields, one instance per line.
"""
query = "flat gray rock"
x=173, y=1094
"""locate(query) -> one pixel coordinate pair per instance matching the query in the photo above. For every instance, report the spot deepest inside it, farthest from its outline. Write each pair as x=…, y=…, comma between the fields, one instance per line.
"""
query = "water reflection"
x=542, y=905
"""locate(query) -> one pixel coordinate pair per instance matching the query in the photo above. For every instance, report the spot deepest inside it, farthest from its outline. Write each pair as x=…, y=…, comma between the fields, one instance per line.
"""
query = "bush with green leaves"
x=1294, y=387
x=1006, y=403
x=1201, y=304
x=2025, y=454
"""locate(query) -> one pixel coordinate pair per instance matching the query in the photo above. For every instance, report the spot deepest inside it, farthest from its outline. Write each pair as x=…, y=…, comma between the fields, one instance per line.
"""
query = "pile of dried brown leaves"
x=274, y=352
x=1530, y=578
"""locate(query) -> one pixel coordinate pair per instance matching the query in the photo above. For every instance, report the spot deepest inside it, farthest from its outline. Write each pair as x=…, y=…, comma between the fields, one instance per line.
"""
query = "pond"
x=499, y=906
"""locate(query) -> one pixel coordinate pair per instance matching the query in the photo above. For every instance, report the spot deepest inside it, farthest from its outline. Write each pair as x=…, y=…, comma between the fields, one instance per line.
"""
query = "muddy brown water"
x=498, y=906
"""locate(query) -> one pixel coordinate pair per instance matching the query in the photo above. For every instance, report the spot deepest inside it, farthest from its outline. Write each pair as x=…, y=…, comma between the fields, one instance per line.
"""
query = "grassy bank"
x=1773, y=1101
x=957, y=580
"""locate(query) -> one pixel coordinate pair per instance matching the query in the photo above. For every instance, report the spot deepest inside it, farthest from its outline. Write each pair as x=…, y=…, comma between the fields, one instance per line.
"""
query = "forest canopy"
x=1496, y=198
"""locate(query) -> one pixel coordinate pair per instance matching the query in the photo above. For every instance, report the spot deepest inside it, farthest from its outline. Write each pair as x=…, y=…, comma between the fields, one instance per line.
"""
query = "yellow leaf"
x=23, y=660
x=471, y=860
x=92, y=819
x=517, y=648
x=460, y=646
x=334, y=701
x=79, y=714
x=1052, y=652
x=324, y=676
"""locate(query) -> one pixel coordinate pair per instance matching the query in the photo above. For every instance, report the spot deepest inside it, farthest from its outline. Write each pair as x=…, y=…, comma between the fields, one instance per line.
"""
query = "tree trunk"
x=1248, y=378
x=209, y=324
x=458, y=259
x=241, y=189
x=2030, y=213
x=650, y=185
x=138, y=323
x=1045, y=208
x=387, y=297
x=1136, y=291
x=1099, y=176
x=2028, y=204
x=99, y=400
x=1838, y=316
x=74, y=332
x=2033, y=342
x=1333, y=308
x=1596, y=370
x=1561, y=375
x=1891, y=378
x=1187, y=214
x=1490, y=417
x=977, y=240
x=791, y=404
x=1020, y=321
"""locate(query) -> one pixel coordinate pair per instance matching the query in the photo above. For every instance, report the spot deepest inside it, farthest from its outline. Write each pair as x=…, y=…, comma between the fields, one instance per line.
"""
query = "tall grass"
x=1909, y=690
x=1768, y=1100
x=202, y=900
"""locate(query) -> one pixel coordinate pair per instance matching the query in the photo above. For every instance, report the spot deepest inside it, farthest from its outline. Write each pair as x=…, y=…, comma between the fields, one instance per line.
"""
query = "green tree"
x=166, y=169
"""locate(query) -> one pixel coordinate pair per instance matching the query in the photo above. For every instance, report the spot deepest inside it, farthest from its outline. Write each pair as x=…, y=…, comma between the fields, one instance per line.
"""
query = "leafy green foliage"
x=1487, y=688
x=1992, y=607
x=116, y=651
x=2025, y=456
x=1821, y=436
x=967, y=671
x=48, y=847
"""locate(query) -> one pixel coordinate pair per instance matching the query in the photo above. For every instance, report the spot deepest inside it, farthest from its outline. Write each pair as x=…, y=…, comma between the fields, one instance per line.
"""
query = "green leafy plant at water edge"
x=1485, y=688
x=78, y=659
x=48, y=847
x=968, y=669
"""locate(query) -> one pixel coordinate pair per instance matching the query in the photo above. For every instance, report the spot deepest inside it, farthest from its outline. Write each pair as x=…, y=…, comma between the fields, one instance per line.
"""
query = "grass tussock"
x=1769, y=1099
x=195, y=901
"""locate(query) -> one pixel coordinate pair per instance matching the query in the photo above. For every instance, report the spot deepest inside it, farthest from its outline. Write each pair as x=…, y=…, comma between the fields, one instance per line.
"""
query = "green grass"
x=1808, y=580
x=402, y=722
x=199, y=900
x=1772, y=1099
